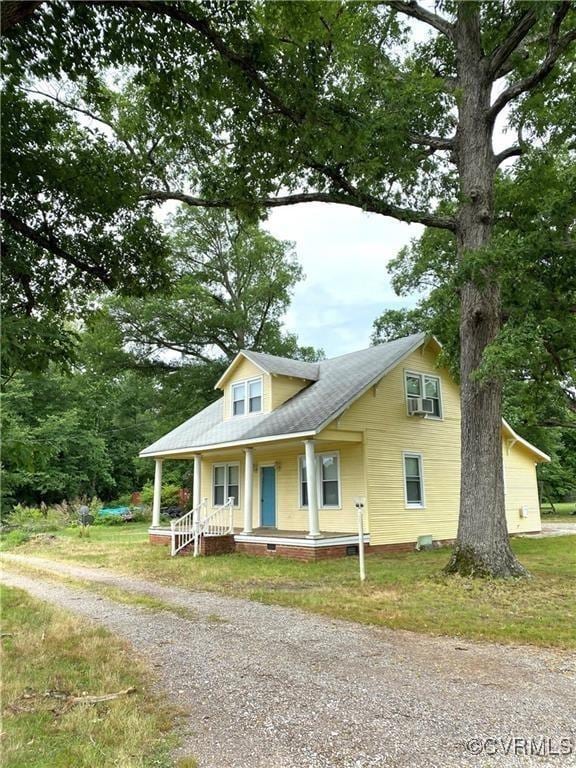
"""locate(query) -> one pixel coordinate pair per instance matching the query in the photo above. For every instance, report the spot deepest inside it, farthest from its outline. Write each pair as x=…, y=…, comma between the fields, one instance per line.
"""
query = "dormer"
x=256, y=383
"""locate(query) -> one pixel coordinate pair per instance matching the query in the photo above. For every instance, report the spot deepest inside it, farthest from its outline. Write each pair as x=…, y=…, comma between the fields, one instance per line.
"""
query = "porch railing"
x=220, y=521
x=197, y=523
x=184, y=528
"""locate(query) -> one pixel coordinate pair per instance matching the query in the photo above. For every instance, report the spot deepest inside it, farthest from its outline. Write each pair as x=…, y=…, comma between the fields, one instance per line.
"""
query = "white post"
x=312, y=484
x=248, y=485
x=157, y=499
x=360, y=508
x=197, y=480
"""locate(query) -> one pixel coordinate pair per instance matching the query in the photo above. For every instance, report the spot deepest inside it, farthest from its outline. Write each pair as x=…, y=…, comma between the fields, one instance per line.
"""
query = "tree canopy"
x=230, y=285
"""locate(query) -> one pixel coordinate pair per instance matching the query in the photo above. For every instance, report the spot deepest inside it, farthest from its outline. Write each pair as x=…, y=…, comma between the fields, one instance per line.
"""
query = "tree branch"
x=247, y=66
x=513, y=151
x=372, y=205
x=501, y=54
x=48, y=243
x=411, y=8
x=83, y=111
x=556, y=47
x=434, y=142
x=201, y=25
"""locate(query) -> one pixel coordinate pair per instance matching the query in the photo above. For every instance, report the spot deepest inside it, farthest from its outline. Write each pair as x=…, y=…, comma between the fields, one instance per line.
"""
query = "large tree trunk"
x=482, y=547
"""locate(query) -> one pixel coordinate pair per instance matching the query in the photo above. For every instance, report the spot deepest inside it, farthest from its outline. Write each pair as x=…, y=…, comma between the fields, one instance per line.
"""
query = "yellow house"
x=284, y=457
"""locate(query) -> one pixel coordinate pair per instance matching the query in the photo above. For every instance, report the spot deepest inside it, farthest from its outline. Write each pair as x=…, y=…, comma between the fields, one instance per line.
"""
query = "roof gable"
x=271, y=364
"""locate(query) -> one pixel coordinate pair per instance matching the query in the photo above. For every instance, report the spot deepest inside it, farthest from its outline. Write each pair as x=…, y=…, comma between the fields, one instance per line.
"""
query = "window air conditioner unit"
x=420, y=406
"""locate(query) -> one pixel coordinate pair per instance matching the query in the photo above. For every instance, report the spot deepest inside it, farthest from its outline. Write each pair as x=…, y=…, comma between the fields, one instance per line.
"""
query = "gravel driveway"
x=270, y=687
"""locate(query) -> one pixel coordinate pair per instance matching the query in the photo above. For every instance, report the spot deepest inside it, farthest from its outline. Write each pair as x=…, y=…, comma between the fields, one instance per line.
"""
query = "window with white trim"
x=413, y=480
x=328, y=479
x=426, y=386
x=225, y=483
x=247, y=397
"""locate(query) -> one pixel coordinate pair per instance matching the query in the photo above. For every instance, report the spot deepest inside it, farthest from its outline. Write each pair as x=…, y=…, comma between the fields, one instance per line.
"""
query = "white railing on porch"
x=197, y=523
x=184, y=528
x=220, y=521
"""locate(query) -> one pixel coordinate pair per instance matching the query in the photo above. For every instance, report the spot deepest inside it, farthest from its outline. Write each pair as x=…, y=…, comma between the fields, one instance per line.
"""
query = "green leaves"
x=230, y=287
x=533, y=257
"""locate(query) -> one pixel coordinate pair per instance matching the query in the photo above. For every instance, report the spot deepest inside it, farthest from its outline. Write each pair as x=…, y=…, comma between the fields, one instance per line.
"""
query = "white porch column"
x=157, y=499
x=196, y=498
x=312, y=484
x=248, y=485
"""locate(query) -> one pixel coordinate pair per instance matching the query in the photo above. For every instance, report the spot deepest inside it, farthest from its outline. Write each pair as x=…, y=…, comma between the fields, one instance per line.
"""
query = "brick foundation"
x=325, y=553
x=217, y=545
x=223, y=545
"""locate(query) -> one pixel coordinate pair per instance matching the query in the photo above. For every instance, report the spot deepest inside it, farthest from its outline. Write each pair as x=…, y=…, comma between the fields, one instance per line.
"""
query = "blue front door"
x=268, y=496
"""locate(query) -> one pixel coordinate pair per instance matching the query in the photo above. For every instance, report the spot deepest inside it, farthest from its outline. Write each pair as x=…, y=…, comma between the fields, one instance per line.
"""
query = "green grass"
x=46, y=650
x=564, y=512
x=403, y=591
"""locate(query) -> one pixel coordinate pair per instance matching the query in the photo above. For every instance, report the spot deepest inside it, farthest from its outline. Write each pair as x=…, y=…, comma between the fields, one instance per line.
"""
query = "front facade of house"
x=295, y=445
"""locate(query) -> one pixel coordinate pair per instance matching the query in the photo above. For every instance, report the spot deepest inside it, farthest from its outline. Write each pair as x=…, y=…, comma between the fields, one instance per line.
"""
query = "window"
x=428, y=387
x=330, y=496
x=303, y=483
x=225, y=483
x=413, y=480
x=247, y=397
x=328, y=479
x=255, y=396
x=238, y=399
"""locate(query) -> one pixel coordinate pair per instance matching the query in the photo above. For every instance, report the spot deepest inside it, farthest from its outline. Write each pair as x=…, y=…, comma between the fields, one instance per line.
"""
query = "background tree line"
x=137, y=366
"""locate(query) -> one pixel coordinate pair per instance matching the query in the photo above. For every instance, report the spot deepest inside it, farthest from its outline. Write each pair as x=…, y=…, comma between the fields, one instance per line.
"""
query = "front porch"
x=290, y=498
x=274, y=543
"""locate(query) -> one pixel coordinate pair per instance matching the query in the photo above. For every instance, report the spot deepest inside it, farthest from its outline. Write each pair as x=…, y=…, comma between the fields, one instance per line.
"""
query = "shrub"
x=109, y=520
x=140, y=514
x=38, y=519
x=122, y=501
x=13, y=539
x=170, y=494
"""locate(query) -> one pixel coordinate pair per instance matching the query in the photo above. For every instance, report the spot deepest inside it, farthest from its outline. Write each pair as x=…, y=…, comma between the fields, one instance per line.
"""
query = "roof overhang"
x=176, y=452
x=517, y=439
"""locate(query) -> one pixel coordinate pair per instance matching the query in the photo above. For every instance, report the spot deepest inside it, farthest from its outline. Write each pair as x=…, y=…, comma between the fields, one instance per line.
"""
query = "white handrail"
x=197, y=523
x=184, y=528
x=219, y=521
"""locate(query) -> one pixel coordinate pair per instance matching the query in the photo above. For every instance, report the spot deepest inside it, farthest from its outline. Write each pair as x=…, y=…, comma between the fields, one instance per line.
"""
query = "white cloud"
x=344, y=253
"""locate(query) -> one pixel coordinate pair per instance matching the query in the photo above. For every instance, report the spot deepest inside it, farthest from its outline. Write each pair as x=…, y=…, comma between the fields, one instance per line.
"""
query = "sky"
x=344, y=253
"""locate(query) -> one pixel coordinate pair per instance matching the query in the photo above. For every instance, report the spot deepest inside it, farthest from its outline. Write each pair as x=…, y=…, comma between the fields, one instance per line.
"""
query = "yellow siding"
x=389, y=431
x=289, y=515
x=521, y=489
x=246, y=370
x=283, y=388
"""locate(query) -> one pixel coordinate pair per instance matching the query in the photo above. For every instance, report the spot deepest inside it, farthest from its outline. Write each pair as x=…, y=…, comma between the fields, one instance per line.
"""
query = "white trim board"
x=310, y=543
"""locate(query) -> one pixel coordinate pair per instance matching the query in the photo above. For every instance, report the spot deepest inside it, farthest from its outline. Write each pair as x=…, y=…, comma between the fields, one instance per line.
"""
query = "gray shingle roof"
x=282, y=366
x=340, y=381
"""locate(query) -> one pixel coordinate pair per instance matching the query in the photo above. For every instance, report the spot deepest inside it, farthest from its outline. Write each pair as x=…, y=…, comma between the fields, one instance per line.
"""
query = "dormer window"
x=247, y=397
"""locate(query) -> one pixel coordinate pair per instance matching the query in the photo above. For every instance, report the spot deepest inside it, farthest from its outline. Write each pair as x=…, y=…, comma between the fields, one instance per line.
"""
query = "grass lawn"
x=46, y=650
x=404, y=591
x=564, y=512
